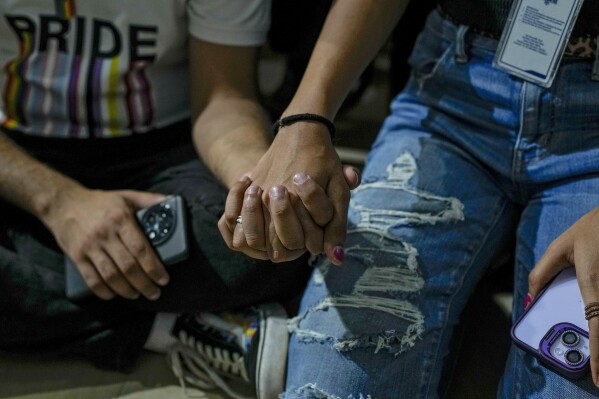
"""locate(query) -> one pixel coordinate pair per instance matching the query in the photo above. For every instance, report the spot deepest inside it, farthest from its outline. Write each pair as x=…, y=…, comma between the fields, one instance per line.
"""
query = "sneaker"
x=237, y=352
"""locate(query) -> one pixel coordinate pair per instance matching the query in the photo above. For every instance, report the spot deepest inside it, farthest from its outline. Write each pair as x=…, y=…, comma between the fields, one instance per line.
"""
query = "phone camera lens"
x=570, y=338
x=158, y=223
x=574, y=357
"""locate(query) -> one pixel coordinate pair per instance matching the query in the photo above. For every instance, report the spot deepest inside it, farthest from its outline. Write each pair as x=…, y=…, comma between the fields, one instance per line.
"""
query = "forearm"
x=353, y=33
x=28, y=183
x=231, y=136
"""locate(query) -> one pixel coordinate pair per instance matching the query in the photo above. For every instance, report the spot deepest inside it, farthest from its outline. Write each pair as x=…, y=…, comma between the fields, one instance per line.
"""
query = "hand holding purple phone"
x=576, y=249
x=553, y=327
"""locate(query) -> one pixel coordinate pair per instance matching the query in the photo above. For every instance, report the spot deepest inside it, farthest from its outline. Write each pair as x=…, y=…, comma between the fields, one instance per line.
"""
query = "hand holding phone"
x=165, y=226
x=553, y=327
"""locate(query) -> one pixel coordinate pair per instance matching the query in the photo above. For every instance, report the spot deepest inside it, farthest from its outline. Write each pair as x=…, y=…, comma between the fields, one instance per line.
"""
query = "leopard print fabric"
x=582, y=47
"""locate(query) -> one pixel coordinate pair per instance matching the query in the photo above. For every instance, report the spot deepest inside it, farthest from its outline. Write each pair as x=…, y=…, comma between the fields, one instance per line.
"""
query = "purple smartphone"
x=554, y=329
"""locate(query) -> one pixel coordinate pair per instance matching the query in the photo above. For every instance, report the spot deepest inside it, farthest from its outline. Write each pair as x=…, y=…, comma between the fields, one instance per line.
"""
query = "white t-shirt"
x=106, y=68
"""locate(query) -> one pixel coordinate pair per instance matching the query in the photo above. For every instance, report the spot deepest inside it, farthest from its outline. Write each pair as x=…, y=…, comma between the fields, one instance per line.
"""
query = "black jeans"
x=35, y=315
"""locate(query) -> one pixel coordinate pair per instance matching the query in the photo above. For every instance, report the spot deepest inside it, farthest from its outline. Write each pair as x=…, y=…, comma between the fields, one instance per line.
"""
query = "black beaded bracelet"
x=291, y=119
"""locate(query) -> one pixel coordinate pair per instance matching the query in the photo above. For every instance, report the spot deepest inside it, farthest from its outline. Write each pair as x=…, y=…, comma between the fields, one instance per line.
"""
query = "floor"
x=481, y=341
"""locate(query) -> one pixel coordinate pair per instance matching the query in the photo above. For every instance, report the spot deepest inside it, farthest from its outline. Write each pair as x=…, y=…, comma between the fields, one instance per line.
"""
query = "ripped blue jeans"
x=468, y=159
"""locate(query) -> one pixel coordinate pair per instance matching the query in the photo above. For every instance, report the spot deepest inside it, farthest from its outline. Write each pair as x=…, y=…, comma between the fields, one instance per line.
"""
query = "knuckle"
x=129, y=268
x=293, y=243
x=230, y=215
x=324, y=216
x=238, y=244
x=95, y=284
x=155, y=274
x=99, y=231
x=253, y=240
x=229, y=218
x=309, y=192
x=221, y=224
x=251, y=206
x=118, y=216
x=137, y=247
x=86, y=243
x=111, y=276
x=554, y=247
x=280, y=211
x=238, y=187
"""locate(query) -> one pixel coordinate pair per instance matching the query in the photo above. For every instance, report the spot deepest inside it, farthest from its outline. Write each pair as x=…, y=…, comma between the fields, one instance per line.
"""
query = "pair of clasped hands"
x=295, y=200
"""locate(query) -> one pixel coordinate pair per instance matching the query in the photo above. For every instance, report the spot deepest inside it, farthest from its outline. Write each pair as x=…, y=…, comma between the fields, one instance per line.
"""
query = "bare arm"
x=231, y=134
x=29, y=184
x=353, y=33
x=230, y=125
x=96, y=229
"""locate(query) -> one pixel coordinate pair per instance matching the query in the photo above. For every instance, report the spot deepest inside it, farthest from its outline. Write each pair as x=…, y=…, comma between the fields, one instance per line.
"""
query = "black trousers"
x=35, y=315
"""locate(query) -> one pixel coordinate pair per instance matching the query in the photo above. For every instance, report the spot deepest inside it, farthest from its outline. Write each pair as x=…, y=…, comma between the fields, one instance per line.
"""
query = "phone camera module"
x=570, y=338
x=559, y=351
x=574, y=357
x=158, y=223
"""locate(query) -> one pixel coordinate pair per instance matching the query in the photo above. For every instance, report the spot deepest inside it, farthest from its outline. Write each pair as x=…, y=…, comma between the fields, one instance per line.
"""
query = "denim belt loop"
x=460, y=45
x=595, y=74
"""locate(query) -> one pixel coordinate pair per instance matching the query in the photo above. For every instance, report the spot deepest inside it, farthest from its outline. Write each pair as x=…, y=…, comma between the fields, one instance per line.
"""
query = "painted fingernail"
x=277, y=192
x=300, y=178
x=527, y=300
x=339, y=254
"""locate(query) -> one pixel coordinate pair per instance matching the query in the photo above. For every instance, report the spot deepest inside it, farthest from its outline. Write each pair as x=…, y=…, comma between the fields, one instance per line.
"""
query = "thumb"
x=352, y=176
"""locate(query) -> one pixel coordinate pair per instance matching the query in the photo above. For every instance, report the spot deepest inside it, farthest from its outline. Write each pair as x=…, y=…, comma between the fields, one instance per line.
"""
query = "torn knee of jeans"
x=311, y=391
x=373, y=209
x=392, y=341
x=405, y=317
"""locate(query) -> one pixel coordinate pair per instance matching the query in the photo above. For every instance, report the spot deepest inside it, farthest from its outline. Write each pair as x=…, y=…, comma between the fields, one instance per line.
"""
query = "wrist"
x=305, y=118
x=51, y=202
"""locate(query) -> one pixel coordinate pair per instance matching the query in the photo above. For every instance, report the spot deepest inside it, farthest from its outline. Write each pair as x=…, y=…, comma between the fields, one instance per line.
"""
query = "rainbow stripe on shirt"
x=79, y=76
x=65, y=8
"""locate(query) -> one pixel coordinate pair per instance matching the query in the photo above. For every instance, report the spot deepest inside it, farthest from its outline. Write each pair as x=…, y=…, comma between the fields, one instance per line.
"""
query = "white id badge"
x=535, y=37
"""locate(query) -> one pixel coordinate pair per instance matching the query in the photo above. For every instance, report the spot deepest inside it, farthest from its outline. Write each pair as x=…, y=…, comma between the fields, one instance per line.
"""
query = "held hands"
x=286, y=212
x=578, y=247
x=99, y=232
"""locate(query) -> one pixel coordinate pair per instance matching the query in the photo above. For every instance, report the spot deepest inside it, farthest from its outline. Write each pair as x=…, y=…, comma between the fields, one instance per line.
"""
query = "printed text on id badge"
x=535, y=37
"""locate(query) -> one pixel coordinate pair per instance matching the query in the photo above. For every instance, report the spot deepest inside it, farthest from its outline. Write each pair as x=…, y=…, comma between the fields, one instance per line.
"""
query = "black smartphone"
x=165, y=225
